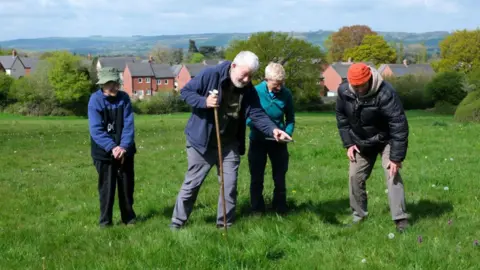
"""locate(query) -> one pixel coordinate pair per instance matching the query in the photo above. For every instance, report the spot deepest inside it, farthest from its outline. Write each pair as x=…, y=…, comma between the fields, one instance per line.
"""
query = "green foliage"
x=161, y=104
x=443, y=107
x=300, y=59
x=373, y=48
x=71, y=84
x=447, y=86
x=460, y=51
x=209, y=52
x=6, y=82
x=412, y=91
x=346, y=38
x=469, y=109
x=197, y=58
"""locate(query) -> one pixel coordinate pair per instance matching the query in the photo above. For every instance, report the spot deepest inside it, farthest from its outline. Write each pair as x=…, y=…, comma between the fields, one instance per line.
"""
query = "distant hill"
x=141, y=45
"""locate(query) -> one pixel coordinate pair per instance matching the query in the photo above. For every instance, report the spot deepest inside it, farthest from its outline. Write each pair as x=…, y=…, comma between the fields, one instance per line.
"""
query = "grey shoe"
x=402, y=225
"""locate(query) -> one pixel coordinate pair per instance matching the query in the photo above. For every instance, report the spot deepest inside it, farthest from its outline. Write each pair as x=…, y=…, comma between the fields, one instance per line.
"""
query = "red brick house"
x=335, y=74
x=142, y=80
x=398, y=70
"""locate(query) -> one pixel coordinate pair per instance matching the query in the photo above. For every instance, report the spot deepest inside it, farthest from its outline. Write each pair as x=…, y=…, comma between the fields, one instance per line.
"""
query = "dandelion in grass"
x=391, y=236
x=364, y=260
x=445, y=188
x=433, y=185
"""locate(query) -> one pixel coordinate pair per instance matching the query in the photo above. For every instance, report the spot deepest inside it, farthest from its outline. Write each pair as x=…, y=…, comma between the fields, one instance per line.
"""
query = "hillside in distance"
x=141, y=45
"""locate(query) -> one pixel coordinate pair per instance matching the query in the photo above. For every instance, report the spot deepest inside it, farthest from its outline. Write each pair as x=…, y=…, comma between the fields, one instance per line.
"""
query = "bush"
x=442, y=107
x=411, y=89
x=469, y=109
x=447, y=86
x=160, y=104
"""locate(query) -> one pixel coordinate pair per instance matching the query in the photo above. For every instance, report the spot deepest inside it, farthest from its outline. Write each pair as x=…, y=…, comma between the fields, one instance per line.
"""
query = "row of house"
x=143, y=77
x=17, y=66
x=336, y=73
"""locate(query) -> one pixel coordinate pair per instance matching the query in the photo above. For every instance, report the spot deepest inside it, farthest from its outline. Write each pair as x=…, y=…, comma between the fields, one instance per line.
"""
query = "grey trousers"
x=359, y=172
x=198, y=168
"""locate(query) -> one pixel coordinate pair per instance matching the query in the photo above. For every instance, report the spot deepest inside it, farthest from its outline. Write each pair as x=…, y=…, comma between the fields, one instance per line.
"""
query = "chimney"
x=405, y=63
x=14, y=53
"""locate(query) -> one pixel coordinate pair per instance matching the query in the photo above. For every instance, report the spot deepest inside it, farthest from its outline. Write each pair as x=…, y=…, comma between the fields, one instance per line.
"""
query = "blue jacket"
x=110, y=121
x=278, y=106
x=201, y=125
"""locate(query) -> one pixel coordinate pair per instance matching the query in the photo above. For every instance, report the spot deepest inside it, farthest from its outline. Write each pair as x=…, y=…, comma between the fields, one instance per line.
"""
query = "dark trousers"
x=257, y=159
x=109, y=174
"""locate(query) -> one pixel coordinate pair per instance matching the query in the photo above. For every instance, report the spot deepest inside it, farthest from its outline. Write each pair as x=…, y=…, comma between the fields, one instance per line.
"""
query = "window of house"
x=166, y=81
x=135, y=92
x=140, y=92
x=159, y=82
x=149, y=92
x=147, y=80
x=140, y=80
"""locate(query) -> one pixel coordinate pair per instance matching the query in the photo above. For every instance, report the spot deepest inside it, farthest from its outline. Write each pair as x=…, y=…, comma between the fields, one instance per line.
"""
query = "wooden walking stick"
x=220, y=163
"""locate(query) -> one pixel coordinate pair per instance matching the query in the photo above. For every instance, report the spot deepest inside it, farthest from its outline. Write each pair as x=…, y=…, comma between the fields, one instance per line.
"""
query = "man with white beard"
x=236, y=101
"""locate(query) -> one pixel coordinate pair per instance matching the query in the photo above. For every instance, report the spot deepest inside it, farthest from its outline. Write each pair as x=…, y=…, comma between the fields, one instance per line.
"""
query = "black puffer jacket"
x=374, y=120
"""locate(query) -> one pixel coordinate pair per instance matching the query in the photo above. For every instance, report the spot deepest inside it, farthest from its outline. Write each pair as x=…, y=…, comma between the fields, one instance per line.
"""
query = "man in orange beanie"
x=371, y=121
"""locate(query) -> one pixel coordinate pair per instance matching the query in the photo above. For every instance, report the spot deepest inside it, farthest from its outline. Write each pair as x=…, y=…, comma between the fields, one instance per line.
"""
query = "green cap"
x=108, y=74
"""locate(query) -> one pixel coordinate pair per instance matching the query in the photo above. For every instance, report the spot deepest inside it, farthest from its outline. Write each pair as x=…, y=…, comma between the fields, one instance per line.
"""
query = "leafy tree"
x=177, y=56
x=347, y=37
x=400, y=53
x=422, y=54
x=460, y=51
x=163, y=54
x=209, y=52
x=301, y=60
x=448, y=87
x=192, y=47
x=373, y=48
x=197, y=58
x=70, y=83
x=6, y=82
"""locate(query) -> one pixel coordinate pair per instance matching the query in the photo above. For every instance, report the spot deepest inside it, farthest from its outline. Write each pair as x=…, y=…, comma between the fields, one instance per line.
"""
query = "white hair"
x=247, y=58
x=275, y=72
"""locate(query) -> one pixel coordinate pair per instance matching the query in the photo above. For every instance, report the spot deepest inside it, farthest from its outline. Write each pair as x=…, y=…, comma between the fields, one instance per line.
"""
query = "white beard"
x=238, y=84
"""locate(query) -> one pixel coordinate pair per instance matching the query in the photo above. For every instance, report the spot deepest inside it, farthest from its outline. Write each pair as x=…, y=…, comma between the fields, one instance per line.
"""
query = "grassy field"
x=48, y=193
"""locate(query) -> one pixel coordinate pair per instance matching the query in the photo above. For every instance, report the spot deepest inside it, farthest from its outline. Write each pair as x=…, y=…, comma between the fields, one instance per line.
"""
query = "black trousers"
x=109, y=174
x=257, y=159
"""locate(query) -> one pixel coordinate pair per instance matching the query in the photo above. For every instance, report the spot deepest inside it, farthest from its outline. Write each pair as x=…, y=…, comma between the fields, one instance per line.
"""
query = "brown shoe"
x=401, y=224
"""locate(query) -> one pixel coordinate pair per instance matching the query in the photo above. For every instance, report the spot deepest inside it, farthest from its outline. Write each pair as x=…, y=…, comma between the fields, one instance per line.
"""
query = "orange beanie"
x=358, y=74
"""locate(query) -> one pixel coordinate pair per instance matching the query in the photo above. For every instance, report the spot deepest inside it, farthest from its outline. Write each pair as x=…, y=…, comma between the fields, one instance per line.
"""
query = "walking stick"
x=220, y=163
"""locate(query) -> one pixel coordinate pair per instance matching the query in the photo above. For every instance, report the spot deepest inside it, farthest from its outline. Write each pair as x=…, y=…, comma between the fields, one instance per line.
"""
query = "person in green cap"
x=112, y=133
x=277, y=102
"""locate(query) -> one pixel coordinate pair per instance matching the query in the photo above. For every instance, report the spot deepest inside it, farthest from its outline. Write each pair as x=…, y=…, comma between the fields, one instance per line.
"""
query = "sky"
x=81, y=18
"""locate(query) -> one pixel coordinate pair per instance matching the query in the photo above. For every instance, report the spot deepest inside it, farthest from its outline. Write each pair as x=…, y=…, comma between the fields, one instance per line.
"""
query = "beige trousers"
x=359, y=172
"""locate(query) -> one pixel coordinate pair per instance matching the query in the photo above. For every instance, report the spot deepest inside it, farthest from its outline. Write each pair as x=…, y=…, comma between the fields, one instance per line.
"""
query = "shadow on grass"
x=427, y=209
x=326, y=210
x=149, y=215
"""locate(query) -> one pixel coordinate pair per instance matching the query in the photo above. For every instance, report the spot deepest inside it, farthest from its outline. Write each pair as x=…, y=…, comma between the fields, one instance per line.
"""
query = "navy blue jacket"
x=110, y=121
x=201, y=125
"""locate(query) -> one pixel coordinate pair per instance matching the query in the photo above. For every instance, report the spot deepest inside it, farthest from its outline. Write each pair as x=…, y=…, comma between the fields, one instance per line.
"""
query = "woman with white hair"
x=277, y=102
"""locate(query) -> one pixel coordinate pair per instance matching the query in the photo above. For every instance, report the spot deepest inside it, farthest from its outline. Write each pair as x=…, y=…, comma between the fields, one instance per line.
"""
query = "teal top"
x=278, y=106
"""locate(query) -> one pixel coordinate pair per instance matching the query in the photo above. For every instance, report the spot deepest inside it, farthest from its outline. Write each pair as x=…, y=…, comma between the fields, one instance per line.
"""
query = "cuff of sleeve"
x=110, y=147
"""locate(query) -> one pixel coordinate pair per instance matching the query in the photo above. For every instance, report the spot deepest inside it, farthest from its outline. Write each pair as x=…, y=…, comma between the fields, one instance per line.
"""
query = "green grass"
x=50, y=203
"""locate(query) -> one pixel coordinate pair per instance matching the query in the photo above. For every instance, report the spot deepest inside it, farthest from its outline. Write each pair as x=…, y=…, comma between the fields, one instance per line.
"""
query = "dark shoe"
x=175, y=227
x=281, y=209
x=402, y=225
